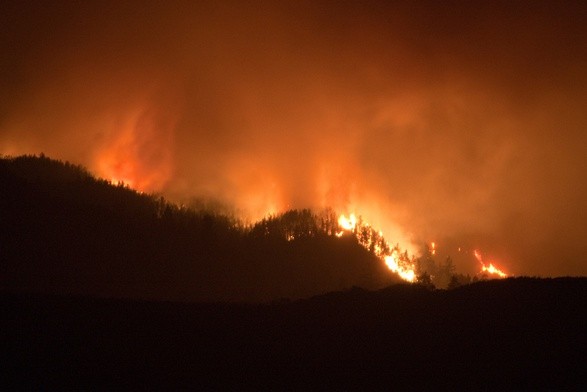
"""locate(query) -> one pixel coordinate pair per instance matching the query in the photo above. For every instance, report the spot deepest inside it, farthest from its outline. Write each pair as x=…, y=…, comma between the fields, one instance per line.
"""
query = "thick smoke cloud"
x=460, y=123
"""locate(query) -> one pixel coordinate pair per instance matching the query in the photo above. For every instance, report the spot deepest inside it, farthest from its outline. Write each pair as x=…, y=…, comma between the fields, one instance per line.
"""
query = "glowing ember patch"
x=373, y=241
x=433, y=248
x=348, y=223
x=489, y=269
x=493, y=270
x=405, y=273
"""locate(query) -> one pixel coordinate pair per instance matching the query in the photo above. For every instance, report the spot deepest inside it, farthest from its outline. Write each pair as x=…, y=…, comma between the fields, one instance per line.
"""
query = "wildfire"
x=346, y=224
x=490, y=269
x=374, y=241
x=119, y=171
x=138, y=152
x=404, y=272
x=397, y=262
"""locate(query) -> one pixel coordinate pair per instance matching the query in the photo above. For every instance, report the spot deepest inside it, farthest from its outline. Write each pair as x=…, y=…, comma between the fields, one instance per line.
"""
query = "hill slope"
x=64, y=231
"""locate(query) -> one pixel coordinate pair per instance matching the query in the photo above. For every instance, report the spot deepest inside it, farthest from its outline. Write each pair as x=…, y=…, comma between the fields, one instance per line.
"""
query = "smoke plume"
x=459, y=123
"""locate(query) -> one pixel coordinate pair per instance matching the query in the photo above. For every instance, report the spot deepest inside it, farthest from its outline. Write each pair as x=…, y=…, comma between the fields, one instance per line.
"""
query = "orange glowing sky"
x=462, y=123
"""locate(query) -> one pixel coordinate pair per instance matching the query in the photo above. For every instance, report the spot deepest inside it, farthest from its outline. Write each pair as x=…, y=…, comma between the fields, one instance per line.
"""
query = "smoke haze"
x=461, y=123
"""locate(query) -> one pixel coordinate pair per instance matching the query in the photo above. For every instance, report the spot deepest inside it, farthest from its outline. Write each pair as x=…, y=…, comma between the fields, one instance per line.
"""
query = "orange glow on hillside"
x=139, y=155
x=406, y=273
x=373, y=240
x=113, y=166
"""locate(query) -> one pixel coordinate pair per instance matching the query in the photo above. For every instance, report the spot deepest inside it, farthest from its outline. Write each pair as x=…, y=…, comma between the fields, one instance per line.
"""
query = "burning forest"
x=143, y=239
x=343, y=189
x=463, y=127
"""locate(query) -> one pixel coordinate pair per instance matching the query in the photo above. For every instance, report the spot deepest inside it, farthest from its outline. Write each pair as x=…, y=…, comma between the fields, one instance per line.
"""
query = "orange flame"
x=374, y=241
x=490, y=269
x=349, y=223
x=493, y=270
x=406, y=273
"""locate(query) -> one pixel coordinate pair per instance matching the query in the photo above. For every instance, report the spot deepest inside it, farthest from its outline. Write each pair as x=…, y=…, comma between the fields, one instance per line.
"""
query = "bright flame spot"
x=349, y=223
x=405, y=273
x=433, y=248
x=373, y=240
x=490, y=269
x=493, y=270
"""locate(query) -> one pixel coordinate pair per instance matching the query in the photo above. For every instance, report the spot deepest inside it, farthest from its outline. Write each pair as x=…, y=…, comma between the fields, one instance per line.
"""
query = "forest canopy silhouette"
x=282, y=168
x=68, y=237
x=64, y=230
x=456, y=122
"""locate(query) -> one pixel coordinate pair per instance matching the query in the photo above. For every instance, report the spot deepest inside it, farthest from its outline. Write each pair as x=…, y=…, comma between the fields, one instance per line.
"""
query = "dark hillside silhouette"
x=67, y=240
x=64, y=231
x=513, y=334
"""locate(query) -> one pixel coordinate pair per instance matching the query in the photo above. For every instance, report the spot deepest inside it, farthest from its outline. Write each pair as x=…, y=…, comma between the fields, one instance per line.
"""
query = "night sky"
x=463, y=123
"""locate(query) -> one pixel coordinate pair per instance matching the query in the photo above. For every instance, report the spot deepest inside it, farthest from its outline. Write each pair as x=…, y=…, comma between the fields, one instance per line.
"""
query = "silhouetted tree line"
x=63, y=230
x=442, y=274
x=433, y=273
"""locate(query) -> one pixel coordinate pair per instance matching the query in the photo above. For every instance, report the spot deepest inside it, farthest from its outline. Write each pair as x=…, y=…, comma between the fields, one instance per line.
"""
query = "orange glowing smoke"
x=138, y=154
x=489, y=269
x=255, y=190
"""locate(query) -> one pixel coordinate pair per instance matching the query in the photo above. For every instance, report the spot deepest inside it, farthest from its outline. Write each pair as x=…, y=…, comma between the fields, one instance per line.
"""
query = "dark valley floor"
x=514, y=334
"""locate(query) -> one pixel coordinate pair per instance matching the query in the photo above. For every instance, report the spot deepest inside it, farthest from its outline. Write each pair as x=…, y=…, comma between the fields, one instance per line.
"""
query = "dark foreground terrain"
x=515, y=334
